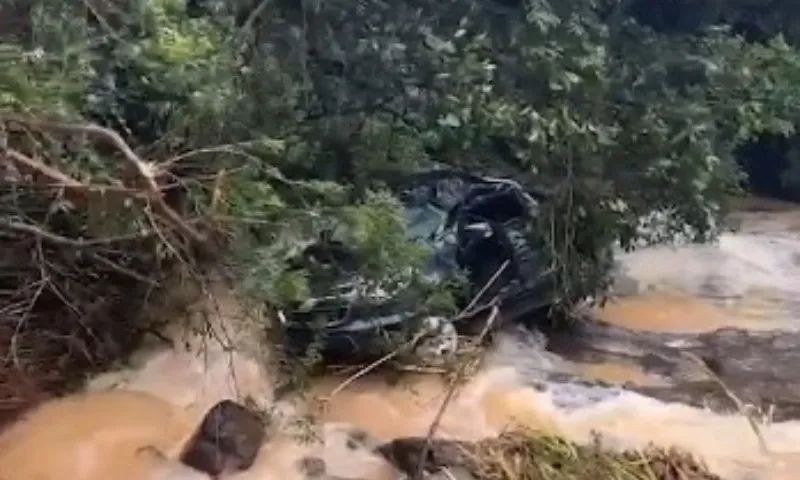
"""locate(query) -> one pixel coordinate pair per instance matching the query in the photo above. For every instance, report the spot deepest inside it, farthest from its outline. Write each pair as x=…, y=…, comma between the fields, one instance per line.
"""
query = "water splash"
x=746, y=280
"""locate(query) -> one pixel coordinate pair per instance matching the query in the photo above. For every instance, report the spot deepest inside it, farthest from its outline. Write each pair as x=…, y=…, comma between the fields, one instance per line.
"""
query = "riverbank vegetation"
x=144, y=141
x=526, y=455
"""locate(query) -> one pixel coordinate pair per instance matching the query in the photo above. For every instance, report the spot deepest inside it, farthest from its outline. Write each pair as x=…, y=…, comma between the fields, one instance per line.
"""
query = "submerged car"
x=475, y=227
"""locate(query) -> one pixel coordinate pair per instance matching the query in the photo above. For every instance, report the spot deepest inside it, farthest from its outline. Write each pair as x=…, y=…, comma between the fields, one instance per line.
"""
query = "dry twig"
x=59, y=289
x=57, y=239
x=747, y=410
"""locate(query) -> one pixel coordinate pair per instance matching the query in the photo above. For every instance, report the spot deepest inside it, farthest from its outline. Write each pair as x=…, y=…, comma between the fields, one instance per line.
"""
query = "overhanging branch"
x=152, y=192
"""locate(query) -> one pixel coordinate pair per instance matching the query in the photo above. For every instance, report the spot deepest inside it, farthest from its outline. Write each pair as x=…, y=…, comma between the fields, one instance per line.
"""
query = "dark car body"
x=473, y=225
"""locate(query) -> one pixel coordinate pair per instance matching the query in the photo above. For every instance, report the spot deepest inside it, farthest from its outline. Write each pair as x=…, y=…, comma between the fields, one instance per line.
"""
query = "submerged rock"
x=312, y=467
x=724, y=369
x=743, y=368
x=227, y=440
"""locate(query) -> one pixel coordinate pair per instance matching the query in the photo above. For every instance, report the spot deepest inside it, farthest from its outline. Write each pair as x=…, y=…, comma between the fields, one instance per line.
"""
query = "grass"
x=526, y=455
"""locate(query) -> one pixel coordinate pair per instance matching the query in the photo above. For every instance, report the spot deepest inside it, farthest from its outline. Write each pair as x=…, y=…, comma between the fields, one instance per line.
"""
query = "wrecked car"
x=474, y=226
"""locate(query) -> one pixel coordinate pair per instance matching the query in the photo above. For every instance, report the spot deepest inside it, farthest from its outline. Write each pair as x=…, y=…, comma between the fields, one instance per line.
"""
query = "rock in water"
x=526, y=455
x=312, y=467
x=227, y=440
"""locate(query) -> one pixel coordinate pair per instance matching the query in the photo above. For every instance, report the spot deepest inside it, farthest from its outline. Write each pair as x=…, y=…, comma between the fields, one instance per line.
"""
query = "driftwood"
x=139, y=185
x=526, y=456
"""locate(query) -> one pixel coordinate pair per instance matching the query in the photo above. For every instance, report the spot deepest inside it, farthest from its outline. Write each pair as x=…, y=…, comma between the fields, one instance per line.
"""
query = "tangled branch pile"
x=79, y=256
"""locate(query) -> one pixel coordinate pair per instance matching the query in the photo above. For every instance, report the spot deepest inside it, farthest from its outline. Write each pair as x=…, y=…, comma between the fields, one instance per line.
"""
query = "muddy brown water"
x=632, y=377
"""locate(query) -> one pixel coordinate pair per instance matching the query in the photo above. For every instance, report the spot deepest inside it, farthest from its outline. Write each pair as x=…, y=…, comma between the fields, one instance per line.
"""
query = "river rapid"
x=749, y=280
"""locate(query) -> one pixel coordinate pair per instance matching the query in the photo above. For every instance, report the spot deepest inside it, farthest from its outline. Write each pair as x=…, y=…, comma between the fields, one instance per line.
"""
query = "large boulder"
x=227, y=440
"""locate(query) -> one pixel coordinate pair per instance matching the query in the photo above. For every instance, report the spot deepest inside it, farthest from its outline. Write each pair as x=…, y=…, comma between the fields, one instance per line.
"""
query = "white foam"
x=731, y=267
x=191, y=381
x=627, y=420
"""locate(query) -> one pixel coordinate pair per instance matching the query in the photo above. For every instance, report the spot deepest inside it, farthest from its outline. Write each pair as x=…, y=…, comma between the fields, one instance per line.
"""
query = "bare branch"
x=451, y=392
x=145, y=172
x=52, y=178
x=30, y=166
x=253, y=16
x=57, y=239
x=112, y=137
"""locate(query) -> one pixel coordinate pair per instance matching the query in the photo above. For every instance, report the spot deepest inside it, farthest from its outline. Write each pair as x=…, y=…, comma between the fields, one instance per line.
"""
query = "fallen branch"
x=57, y=239
x=253, y=16
x=125, y=271
x=412, y=343
x=73, y=190
x=216, y=194
x=470, y=309
x=750, y=412
x=460, y=374
x=152, y=193
x=372, y=366
x=33, y=167
x=112, y=137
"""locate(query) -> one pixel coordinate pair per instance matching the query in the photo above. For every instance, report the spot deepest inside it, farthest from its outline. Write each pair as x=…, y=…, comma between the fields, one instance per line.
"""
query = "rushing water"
x=749, y=280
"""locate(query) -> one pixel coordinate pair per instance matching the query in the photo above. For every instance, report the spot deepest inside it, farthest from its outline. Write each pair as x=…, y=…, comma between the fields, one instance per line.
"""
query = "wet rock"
x=312, y=467
x=523, y=456
x=167, y=468
x=358, y=435
x=227, y=440
x=357, y=438
x=352, y=444
x=758, y=368
x=406, y=454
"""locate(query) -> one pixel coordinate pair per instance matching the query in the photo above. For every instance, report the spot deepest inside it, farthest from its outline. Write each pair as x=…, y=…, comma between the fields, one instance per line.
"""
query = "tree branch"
x=50, y=177
x=57, y=239
x=143, y=169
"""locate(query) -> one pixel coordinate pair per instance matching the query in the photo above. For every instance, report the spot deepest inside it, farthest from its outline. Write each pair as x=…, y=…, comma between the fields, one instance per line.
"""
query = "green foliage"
x=311, y=112
x=369, y=225
x=365, y=227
